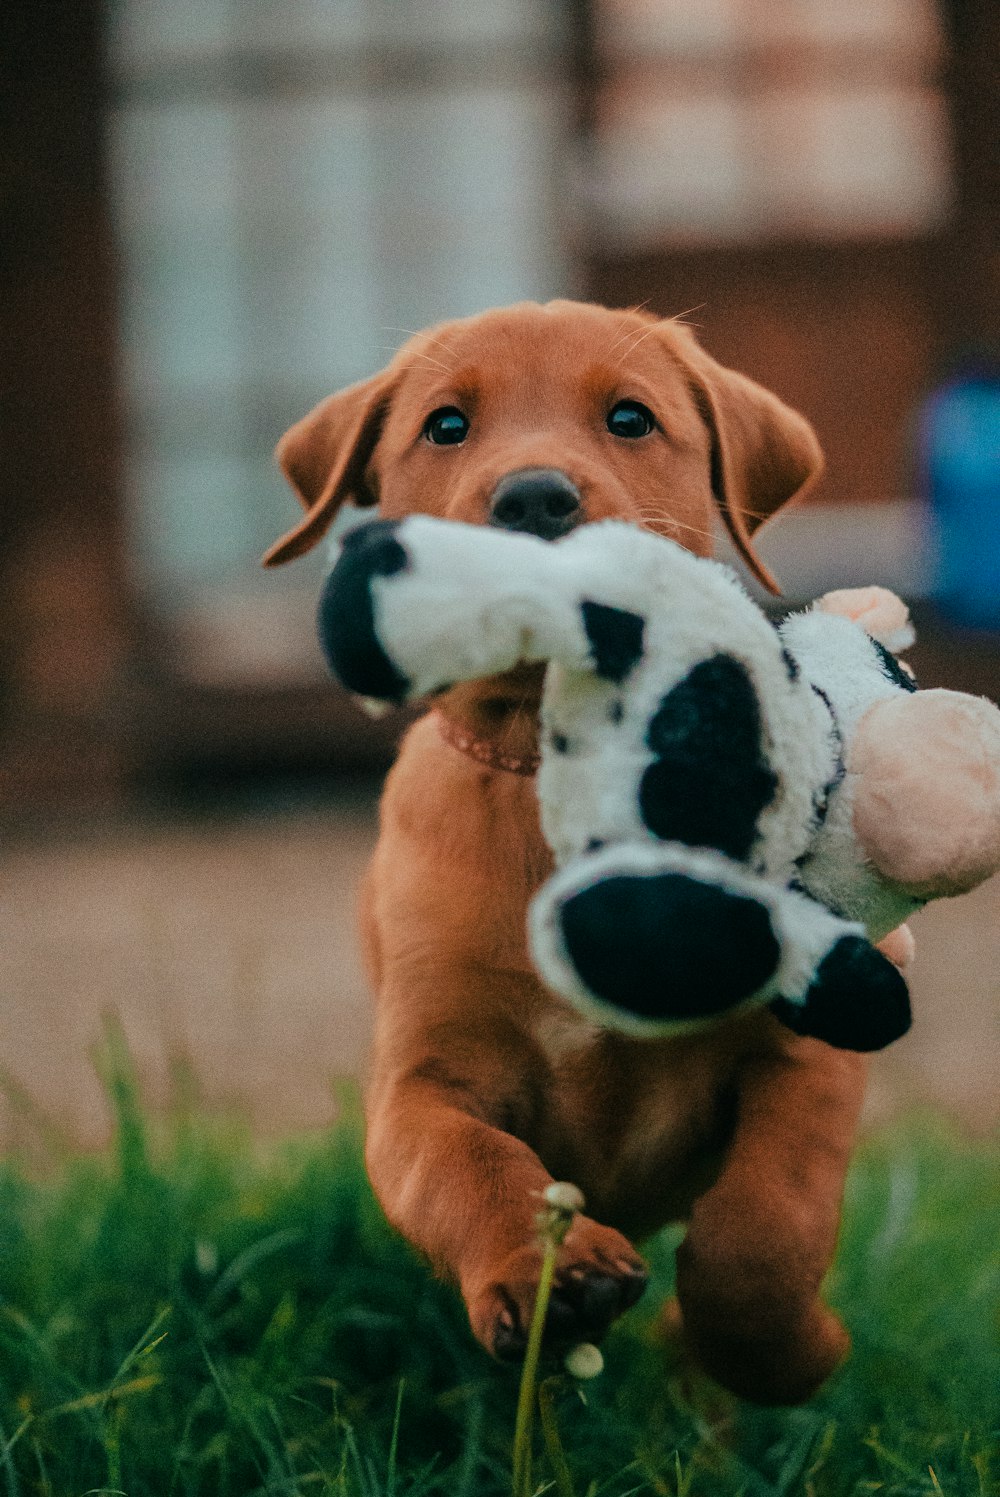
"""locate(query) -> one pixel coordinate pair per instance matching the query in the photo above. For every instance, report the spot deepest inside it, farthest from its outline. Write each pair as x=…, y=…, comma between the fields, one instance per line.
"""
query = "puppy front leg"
x=467, y=1192
x=762, y=1237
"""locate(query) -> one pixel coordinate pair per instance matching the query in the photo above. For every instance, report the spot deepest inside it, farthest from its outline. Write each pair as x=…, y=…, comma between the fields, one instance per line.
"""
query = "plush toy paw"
x=666, y=950
x=658, y=939
x=599, y=1276
x=857, y=1000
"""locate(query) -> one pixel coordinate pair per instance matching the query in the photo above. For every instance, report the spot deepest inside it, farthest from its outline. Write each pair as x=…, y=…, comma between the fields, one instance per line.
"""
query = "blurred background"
x=217, y=211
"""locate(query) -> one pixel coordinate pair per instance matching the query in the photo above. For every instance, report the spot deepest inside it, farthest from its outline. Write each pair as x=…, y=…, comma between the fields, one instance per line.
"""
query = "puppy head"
x=543, y=417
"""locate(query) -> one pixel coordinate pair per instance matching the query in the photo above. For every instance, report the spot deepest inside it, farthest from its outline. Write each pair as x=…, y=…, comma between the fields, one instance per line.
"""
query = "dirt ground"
x=231, y=943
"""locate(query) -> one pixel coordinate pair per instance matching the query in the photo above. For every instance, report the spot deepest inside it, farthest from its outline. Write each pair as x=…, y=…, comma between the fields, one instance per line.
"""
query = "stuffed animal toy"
x=738, y=811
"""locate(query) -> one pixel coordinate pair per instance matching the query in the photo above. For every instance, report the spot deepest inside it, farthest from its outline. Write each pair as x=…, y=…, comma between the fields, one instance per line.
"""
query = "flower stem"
x=562, y=1202
x=550, y=1432
x=529, y=1374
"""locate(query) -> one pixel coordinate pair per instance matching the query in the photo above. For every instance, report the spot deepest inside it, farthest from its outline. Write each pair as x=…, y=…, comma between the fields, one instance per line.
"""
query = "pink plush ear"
x=927, y=807
x=879, y=612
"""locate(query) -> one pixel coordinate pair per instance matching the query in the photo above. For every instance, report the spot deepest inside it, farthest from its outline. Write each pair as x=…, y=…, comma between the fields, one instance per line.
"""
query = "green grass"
x=194, y=1312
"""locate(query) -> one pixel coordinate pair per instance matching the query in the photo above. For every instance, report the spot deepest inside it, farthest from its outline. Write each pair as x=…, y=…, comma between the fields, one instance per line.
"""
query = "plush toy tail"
x=660, y=939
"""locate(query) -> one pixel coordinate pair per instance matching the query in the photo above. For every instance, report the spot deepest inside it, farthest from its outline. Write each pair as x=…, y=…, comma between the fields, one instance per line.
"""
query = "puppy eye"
x=630, y=419
x=446, y=427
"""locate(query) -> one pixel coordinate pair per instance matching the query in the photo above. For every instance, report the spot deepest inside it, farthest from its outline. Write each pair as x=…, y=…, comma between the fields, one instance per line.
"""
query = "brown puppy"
x=484, y=1086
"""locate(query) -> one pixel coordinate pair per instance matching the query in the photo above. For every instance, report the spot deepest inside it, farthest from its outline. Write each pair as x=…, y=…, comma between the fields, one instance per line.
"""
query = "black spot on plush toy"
x=738, y=811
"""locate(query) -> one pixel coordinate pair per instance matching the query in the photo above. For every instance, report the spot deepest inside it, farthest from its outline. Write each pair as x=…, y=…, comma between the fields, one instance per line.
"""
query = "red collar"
x=483, y=750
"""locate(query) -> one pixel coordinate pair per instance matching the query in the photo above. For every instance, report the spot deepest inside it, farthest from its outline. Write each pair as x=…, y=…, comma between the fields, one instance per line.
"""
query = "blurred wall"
x=66, y=619
x=291, y=188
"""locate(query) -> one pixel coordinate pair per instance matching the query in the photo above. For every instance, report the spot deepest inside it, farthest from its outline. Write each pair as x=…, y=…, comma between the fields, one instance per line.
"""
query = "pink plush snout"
x=927, y=808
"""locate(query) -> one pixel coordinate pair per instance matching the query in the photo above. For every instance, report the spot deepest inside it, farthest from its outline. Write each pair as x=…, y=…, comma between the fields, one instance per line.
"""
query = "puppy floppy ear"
x=324, y=457
x=763, y=452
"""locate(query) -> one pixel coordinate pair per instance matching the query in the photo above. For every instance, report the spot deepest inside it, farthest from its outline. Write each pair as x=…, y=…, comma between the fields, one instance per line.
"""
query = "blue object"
x=960, y=442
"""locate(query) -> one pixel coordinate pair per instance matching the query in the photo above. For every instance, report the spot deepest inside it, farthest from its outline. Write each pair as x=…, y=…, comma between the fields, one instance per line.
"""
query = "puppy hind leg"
x=763, y=1235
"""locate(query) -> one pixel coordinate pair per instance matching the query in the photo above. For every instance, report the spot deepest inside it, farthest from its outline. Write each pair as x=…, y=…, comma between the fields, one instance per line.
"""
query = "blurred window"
x=297, y=186
x=735, y=120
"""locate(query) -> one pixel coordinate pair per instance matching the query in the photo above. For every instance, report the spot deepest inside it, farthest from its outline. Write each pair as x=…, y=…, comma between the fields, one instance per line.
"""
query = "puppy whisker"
x=427, y=340
x=680, y=316
x=626, y=332
x=411, y=332
x=625, y=326
x=671, y=523
x=434, y=363
x=633, y=346
x=445, y=348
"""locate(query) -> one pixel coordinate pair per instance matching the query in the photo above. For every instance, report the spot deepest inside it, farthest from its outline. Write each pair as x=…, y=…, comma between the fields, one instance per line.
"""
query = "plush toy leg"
x=346, y=621
x=416, y=605
x=655, y=939
x=857, y=1001
x=668, y=947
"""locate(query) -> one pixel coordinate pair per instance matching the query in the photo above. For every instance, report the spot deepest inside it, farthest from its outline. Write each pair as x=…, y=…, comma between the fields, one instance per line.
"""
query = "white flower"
x=584, y=1361
x=563, y=1196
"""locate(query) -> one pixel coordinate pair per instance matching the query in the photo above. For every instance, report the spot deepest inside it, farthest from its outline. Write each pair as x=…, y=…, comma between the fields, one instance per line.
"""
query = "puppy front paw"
x=598, y=1276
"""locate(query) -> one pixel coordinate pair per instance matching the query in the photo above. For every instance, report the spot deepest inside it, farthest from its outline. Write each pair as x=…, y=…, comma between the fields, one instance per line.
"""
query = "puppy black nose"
x=540, y=501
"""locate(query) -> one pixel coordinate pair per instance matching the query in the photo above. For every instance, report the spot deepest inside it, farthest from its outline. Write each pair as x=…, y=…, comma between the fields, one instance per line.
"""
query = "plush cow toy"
x=738, y=810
